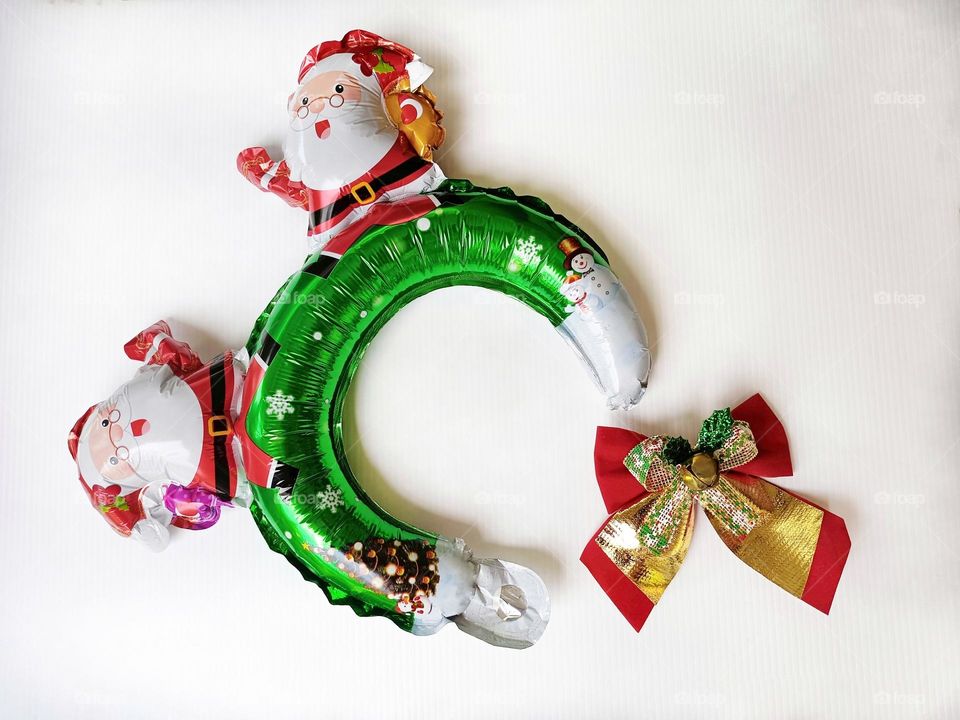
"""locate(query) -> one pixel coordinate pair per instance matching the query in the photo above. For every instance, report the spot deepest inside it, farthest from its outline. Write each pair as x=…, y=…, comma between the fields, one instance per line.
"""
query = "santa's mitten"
x=152, y=534
x=153, y=529
x=271, y=176
x=157, y=346
x=253, y=164
x=497, y=601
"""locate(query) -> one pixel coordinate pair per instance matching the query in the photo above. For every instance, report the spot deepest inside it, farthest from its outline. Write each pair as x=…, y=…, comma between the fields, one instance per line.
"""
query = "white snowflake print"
x=528, y=250
x=279, y=405
x=330, y=498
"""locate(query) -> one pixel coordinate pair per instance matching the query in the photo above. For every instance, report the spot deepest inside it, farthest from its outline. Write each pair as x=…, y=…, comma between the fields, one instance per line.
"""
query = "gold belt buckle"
x=212, y=431
x=365, y=186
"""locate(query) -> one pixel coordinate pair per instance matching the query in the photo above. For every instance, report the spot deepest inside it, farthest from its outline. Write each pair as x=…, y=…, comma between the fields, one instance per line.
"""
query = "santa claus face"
x=338, y=126
x=321, y=99
x=582, y=262
x=150, y=429
x=109, y=442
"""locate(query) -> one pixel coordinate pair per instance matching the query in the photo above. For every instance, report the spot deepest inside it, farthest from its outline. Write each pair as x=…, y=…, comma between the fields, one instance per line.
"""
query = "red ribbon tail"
x=773, y=459
x=629, y=599
x=833, y=547
x=618, y=486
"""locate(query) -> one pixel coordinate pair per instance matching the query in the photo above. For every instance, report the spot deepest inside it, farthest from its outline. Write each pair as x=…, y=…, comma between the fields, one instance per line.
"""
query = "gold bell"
x=702, y=472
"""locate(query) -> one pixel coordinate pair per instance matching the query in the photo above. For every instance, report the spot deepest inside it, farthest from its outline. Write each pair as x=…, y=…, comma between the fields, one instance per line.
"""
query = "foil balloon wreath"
x=261, y=427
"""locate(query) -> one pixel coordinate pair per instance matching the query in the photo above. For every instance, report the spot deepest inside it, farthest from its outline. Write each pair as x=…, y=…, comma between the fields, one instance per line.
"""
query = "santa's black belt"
x=364, y=192
x=218, y=426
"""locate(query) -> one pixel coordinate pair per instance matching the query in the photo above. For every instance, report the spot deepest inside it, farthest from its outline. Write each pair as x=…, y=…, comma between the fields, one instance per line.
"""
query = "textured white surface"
x=778, y=188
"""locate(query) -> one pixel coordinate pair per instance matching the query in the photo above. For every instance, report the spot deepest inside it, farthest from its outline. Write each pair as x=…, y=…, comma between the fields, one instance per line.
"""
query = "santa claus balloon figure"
x=362, y=131
x=161, y=450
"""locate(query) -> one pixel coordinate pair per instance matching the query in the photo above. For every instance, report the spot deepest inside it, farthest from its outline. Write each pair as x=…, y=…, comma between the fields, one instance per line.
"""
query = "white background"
x=778, y=188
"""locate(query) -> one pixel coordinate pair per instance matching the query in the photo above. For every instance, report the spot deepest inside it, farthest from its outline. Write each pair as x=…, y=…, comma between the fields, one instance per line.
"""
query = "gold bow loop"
x=677, y=475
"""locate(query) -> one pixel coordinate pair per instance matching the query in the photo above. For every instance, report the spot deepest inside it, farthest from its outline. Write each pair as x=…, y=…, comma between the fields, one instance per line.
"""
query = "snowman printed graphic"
x=597, y=313
x=598, y=283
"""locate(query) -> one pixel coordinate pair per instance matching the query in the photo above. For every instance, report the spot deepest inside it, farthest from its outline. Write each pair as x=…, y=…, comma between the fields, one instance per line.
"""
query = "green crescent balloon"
x=307, y=345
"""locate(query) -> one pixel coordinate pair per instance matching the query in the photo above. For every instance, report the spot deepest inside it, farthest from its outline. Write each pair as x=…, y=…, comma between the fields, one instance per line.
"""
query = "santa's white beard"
x=170, y=449
x=357, y=140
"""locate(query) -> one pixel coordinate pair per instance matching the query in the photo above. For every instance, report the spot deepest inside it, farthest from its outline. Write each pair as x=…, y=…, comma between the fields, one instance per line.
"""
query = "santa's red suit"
x=171, y=426
x=400, y=173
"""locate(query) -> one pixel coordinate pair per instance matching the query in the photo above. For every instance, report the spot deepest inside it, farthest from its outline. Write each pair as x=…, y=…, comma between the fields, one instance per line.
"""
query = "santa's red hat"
x=393, y=66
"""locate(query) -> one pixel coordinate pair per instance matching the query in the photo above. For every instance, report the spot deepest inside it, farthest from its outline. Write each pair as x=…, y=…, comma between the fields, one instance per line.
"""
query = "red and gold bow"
x=638, y=550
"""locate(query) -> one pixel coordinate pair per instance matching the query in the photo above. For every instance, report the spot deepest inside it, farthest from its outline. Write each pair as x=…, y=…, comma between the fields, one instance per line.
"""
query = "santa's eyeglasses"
x=315, y=105
x=121, y=452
